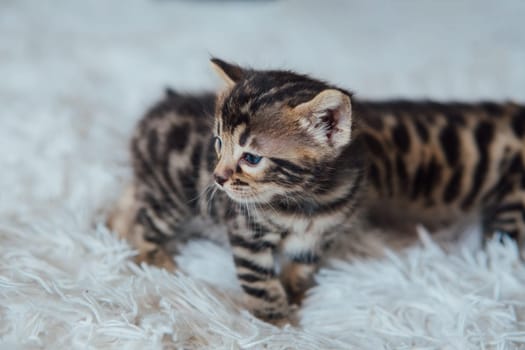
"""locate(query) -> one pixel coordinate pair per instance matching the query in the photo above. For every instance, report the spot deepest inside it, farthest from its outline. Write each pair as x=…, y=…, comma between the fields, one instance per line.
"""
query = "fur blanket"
x=76, y=76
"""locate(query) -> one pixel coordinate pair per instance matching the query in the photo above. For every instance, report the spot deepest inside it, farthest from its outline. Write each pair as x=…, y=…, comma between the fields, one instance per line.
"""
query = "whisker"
x=206, y=189
x=212, y=190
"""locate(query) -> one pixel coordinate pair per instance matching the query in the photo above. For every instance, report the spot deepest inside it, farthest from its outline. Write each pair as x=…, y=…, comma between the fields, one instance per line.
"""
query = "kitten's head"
x=275, y=131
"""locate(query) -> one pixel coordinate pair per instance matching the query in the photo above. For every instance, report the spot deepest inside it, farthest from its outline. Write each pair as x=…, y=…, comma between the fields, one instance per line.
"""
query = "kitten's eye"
x=218, y=144
x=251, y=158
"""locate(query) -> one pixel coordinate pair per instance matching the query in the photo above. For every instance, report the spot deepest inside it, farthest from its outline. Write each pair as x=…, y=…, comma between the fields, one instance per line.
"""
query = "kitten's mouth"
x=245, y=197
x=242, y=194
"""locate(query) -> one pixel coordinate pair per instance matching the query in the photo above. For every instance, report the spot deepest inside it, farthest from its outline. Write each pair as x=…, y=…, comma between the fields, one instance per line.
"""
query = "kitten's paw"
x=271, y=305
x=157, y=257
x=278, y=315
x=279, y=319
x=295, y=297
x=297, y=279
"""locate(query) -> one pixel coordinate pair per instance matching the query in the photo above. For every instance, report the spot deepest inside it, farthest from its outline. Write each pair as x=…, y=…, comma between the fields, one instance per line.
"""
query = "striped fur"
x=440, y=161
x=290, y=163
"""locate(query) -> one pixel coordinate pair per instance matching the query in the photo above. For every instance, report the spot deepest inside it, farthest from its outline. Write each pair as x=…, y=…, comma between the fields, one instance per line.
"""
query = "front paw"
x=297, y=279
x=280, y=318
x=270, y=304
x=157, y=257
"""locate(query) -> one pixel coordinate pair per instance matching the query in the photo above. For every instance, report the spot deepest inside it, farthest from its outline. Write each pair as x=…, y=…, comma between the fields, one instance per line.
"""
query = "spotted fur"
x=289, y=162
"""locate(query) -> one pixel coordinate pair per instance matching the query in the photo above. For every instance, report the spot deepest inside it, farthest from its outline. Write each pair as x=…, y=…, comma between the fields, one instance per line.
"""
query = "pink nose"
x=222, y=176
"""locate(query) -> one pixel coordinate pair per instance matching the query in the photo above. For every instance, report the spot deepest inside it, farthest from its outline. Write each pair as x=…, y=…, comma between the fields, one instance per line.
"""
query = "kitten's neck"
x=333, y=183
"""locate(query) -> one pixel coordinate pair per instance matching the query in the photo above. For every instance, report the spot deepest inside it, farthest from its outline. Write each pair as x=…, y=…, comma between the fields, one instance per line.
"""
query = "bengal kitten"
x=295, y=158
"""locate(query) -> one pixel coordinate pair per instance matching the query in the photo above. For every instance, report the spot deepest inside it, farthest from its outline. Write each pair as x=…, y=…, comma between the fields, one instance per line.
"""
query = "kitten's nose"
x=222, y=176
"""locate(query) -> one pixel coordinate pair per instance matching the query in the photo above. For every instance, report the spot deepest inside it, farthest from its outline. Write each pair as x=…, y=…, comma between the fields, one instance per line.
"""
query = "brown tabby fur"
x=327, y=159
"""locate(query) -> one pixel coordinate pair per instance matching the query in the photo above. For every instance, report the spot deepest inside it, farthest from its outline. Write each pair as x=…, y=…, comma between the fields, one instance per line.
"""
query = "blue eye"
x=251, y=158
x=218, y=144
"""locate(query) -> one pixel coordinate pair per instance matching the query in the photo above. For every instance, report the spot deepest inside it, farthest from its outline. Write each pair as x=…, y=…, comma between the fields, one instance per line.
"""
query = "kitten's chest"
x=302, y=224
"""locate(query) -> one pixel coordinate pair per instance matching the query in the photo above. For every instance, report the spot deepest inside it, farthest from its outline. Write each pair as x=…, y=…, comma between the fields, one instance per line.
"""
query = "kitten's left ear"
x=328, y=117
x=230, y=73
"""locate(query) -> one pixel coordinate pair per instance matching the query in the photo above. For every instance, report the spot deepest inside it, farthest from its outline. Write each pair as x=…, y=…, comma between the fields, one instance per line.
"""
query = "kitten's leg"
x=253, y=256
x=122, y=216
x=150, y=245
x=508, y=217
x=303, y=253
x=132, y=220
x=170, y=152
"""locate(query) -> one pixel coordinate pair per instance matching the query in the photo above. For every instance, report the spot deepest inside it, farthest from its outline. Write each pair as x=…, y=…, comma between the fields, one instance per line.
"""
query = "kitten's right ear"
x=230, y=73
x=328, y=117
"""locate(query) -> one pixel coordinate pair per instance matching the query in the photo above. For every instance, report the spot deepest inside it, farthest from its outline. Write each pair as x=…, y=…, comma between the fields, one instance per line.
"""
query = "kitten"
x=297, y=161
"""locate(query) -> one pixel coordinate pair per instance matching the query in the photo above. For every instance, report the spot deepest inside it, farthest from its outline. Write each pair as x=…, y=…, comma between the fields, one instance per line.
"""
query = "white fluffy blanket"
x=75, y=77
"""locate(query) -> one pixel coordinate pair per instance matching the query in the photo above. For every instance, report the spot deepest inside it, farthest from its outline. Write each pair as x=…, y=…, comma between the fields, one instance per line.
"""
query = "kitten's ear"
x=328, y=117
x=230, y=73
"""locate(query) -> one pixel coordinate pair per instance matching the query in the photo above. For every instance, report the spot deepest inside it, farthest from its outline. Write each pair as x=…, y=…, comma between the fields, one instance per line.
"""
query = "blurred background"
x=76, y=75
